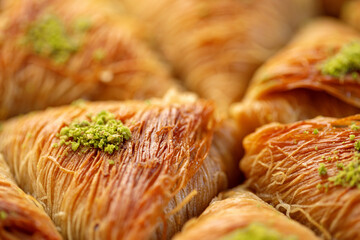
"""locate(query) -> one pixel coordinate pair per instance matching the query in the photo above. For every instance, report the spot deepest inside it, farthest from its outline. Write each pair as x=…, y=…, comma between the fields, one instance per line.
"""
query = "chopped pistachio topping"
x=345, y=61
x=316, y=148
x=326, y=187
x=349, y=176
x=257, y=231
x=354, y=127
x=322, y=169
x=99, y=54
x=82, y=24
x=340, y=165
x=48, y=37
x=355, y=75
x=315, y=131
x=357, y=145
x=352, y=137
x=102, y=131
x=3, y=215
x=79, y=102
x=306, y=132
x=111, y=162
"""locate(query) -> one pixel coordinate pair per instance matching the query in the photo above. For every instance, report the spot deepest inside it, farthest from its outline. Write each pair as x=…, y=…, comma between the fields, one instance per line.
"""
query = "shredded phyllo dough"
x=318, y=188
x=213, y=47
x=58, y=51
x=49, y=37
x=100, y=179
x=102, y=131
x=292, y=86
x=21, y=216
x=238, y=214
x=348, y=175
x=345, y=61
x=257, y=231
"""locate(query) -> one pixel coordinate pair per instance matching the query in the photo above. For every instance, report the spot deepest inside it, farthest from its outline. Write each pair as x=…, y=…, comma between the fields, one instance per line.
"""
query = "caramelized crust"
x=215, y=46
x=171, y=155
x=22, y=217
x=236, y=209
x=282, y=164
x=290, y=86
x=126, y=68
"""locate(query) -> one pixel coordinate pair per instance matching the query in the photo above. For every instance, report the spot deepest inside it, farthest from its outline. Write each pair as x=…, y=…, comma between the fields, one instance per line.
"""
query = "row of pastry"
x=99, y=50
x=142, y=169
x=54, y=52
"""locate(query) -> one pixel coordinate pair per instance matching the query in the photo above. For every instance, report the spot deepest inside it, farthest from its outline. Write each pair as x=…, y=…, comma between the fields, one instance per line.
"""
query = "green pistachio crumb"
x=75, y=145
x=354, y=127
x=102, y=131
x=322, y=169
x=48, y=37
x=357, y=145
x=256, y=231
x=319, y=186
x=55, y=145
x=316, y=148
x=99, y=54
x=326, y=187
x=345, y=61
x=315, y=131
x=340, y=165
x=329, y=158
x=79, y=102
x=348, y=176
x=3, y=215
x=82, y=24
x=352, y=137
x=306, y=132
x=355, y=75
x=111, y=162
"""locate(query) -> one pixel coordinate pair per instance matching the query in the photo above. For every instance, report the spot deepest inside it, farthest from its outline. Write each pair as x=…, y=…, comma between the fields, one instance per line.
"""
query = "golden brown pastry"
x=53, y=52
x=350, y=13
x=176, y=160
x=215, y=46
x=239, y=212
x=303, y=80
x=310, y=171
x=21, y=216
